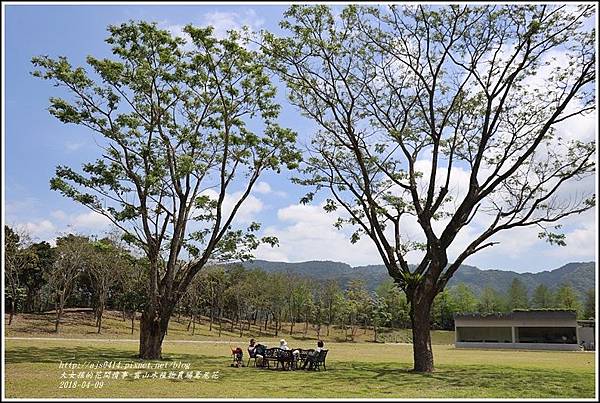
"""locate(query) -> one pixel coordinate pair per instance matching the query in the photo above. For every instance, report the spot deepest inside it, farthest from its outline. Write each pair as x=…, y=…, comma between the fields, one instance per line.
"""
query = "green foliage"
x=590, y=304
x=517, y=295
x=566, y=298
x=490, y=301
x=176, y=119
x=442, y=311
x=542, y=297
x=19, y=260
x=463, y=298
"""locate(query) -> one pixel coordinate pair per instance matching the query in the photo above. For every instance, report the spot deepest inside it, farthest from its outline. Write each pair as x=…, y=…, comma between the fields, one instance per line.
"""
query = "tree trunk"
x=99, y=316
x=193, y=325
x=328, y=330
x=152, y=332
x=58, y=316
x=132, y=321
x=99, y=322
x=58, y=307
x=220, y=323
x=12, y=311
x=423, y=354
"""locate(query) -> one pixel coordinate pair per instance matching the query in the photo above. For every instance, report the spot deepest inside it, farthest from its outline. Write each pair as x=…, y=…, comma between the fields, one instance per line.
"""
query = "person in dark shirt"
x=256, y=350
x=311, y=357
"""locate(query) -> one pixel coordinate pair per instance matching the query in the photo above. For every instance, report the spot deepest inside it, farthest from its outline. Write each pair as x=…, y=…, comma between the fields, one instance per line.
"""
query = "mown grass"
x=81, y=325
x=353, y=370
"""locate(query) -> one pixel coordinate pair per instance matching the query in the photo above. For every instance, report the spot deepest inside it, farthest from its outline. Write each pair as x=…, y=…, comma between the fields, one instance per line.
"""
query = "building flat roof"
x=515, y=315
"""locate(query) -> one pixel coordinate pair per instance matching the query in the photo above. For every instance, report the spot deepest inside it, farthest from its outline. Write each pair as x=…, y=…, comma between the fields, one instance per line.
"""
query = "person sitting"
x=295, y=353
x=256, y=350
x=283, y=345
x=312, y=356
x=238, y=360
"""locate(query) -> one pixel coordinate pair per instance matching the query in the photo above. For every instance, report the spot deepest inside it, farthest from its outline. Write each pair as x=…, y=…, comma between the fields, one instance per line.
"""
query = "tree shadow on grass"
x=80, y=354
x=505, y=381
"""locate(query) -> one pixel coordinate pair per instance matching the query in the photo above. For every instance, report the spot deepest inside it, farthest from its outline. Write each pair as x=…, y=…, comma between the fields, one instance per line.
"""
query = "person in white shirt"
x=283, y=345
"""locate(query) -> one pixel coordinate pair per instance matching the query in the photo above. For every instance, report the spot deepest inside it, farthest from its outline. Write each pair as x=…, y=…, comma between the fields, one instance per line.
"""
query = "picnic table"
x=288, y=360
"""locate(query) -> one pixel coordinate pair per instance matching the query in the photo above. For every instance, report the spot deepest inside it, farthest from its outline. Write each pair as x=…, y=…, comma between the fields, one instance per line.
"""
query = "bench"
x=319, y=360
x=271, y=354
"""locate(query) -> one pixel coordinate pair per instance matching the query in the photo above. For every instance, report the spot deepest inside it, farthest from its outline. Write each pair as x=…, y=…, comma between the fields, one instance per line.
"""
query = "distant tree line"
x=102, y=273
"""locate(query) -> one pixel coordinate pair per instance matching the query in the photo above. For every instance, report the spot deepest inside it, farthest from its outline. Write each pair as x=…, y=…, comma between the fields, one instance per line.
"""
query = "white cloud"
x=89, y=221
x=247, y=211
x=581, y=242
x=225, y=21
x=40, y=227
x=262, y=187
x=307, y=233
x=221, y=22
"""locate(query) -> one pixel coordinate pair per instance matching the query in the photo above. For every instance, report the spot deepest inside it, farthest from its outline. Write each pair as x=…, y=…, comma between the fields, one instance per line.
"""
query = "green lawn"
x=364, y=370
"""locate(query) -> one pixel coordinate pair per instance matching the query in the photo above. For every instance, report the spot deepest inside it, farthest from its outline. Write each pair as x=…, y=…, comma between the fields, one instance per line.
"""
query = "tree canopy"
x=435, y=119
x=186, y=130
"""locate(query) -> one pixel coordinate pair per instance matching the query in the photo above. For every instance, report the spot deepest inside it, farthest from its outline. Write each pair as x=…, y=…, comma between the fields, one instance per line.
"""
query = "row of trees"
x=79, y=271
x=85, y=272
x=460, y=298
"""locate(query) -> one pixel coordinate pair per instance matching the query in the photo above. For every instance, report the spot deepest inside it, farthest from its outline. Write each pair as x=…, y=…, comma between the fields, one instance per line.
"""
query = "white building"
x=532, y=329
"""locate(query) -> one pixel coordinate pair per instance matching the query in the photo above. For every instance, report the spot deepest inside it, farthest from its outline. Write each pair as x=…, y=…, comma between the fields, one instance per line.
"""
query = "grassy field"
x=81, y=325
x=353, y=370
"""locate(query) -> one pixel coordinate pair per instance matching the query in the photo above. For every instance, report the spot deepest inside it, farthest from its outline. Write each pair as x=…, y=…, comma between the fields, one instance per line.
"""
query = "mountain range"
x=581, y=275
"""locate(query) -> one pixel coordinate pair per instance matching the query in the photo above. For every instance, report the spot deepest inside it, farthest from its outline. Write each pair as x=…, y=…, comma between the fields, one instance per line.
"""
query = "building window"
x=484, y=334
x=553, y=335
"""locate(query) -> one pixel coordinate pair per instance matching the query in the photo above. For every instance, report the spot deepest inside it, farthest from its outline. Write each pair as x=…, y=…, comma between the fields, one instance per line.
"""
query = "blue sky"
x=35, y=143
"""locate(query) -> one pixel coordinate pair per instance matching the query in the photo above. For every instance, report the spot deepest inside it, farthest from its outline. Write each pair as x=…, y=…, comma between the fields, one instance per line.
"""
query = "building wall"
x=519, y=346
x=587, y=337
x=514, y=324
x=463, y=322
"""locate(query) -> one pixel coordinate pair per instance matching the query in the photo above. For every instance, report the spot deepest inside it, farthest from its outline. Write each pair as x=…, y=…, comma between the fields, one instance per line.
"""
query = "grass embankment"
x=354, y=370
x=81, y=324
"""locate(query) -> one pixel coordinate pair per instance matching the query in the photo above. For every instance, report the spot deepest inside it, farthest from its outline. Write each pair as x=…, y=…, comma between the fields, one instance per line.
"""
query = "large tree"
x=19, y=257
x=186, y=130
x=33, y=277
x=73, y=256
x=437, y=128
x=108, y=260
